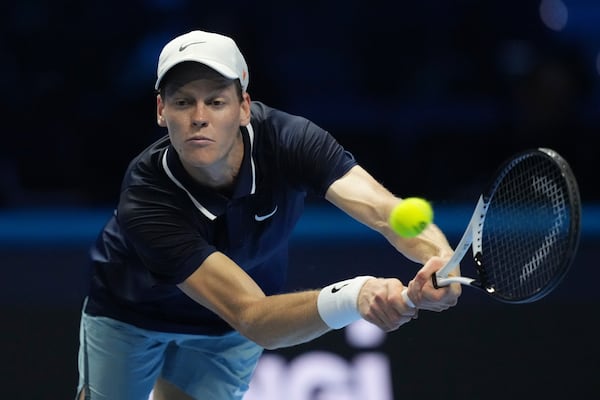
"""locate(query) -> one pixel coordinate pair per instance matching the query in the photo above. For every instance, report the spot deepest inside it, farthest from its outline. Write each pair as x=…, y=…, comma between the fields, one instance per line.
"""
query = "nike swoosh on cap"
x=260, y=218
x=186, y=45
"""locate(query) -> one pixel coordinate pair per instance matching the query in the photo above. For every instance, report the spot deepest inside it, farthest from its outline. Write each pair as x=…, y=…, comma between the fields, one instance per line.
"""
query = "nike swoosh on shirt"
x=186, y=45
x=260, y=218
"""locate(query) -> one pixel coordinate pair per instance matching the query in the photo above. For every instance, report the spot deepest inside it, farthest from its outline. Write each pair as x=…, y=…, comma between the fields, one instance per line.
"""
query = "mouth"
x=199, y=140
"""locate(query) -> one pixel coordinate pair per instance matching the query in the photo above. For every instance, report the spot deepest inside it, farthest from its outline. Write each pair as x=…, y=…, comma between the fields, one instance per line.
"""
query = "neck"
x=223, y=174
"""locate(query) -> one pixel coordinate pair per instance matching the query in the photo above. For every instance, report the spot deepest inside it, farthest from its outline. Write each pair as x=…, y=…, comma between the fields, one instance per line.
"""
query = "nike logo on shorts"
x=260, y=218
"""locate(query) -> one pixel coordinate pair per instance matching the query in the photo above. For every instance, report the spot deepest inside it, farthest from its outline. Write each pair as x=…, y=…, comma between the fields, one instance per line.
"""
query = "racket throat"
x=484, y=282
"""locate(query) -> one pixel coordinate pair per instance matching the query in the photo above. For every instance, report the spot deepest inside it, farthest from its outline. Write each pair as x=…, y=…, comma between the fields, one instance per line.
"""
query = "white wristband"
x=338, y=303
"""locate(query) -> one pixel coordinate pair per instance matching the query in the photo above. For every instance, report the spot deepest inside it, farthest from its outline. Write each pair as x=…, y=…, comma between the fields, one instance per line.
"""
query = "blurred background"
x=430, y=96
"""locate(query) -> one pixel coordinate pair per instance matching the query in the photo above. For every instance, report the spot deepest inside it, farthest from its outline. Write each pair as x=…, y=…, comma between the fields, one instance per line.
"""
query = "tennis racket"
x=524, y=231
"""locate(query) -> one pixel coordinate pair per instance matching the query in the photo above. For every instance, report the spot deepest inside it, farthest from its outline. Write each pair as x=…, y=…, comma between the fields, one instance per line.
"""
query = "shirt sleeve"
x=309, y=155
x=163, y=233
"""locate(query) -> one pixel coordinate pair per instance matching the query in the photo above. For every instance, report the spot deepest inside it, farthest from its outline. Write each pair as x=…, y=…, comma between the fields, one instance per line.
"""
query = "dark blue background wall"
x=481, y=346
x=430, y=96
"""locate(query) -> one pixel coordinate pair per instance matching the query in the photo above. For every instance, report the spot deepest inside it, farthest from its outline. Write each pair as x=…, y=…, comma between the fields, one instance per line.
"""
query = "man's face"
x=203, y=118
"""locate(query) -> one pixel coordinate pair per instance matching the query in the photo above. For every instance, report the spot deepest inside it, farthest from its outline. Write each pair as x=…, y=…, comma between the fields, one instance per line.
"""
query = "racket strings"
x=527, y=229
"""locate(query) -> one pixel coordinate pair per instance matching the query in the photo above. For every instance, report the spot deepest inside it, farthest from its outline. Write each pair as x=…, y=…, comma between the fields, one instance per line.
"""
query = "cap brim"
x=220, y=68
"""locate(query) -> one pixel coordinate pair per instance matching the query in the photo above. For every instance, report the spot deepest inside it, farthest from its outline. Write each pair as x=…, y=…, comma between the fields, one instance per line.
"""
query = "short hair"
x=188, y=71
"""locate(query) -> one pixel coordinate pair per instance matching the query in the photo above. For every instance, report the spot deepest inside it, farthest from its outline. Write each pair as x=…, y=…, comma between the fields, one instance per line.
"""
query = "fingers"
x=430, y=298
x=388, y=304
x=432, y=265
x=382, y=304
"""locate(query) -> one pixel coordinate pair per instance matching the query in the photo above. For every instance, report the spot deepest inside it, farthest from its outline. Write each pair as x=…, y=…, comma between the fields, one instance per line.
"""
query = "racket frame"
x=472, y=237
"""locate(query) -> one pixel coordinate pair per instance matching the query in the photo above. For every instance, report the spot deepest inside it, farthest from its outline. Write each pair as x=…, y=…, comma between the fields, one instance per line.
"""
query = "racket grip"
x=407, y=299
x=439, y=281
x=434, y=281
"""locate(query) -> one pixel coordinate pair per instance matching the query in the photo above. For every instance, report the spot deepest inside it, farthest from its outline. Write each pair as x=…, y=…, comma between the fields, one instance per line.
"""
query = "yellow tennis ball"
x=411, y=216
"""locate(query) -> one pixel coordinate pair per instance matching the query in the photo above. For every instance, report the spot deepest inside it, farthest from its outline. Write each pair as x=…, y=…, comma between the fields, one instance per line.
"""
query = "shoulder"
x=146, y=181
x=147, y=164
x=150, y=155
x=281, y=128
x=264, y=115
x=296, y=148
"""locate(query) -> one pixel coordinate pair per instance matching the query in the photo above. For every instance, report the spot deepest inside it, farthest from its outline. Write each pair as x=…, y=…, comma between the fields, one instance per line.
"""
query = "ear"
x=160, y=106
x=245, y=111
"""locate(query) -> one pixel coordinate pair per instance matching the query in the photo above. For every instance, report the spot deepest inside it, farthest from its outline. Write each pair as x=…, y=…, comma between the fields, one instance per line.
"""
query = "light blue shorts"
x=118, y=361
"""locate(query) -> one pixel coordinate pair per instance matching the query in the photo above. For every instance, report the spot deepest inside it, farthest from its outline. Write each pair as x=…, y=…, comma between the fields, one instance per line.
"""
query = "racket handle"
x=407, y=299
x=439, y=282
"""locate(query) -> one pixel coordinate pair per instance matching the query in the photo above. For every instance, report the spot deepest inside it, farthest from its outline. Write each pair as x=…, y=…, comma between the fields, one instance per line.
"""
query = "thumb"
x=414, y=291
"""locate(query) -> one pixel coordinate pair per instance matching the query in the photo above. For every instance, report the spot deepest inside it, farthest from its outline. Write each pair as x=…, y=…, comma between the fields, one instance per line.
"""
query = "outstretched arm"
x=289, y=319
x=366, y=200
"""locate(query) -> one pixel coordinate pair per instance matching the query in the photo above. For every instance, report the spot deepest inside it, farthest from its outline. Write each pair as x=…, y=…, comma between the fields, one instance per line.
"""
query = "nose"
x=199, y=118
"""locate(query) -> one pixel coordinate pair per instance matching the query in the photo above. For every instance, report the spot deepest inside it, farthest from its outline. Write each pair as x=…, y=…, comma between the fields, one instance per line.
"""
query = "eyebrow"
x=208, y=95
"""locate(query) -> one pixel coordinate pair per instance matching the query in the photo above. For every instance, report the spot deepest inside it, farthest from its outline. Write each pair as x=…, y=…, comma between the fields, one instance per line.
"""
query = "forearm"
x=431, y=242
x=367, y=201
x=282, y=320
x=290, y=322
x=271, y=321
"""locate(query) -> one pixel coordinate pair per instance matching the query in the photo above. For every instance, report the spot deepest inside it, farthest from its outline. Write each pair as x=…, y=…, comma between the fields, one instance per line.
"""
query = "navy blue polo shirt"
x=166, y=224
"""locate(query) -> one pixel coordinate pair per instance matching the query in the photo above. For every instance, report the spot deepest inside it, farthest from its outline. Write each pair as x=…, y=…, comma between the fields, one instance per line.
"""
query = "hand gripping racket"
x=524, y=232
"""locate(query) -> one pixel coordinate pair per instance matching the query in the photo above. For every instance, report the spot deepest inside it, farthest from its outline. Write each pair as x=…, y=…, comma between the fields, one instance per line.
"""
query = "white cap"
x=216, y=51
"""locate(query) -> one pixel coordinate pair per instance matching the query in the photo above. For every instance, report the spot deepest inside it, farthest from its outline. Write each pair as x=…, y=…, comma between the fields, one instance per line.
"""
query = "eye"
x=215, y=102
x=181, y=102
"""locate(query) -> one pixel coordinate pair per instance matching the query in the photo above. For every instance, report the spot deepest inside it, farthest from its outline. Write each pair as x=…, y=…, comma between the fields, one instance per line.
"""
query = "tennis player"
x=188, y=272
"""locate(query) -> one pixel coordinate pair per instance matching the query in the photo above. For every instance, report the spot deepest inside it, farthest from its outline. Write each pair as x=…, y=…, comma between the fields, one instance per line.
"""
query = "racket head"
x=530, y=233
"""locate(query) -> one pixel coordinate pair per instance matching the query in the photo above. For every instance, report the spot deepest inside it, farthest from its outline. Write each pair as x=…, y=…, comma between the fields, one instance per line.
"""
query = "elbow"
x=258, y=336
x=271, y=340
x=265, y=343
x=259, y=333
x=270, y=345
